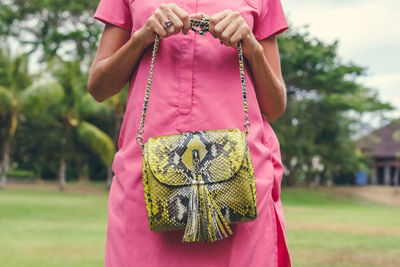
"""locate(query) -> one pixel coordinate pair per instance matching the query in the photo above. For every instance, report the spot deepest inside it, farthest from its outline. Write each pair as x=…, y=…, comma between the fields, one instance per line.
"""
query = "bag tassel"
x=205, y=220
x=215, y=222
x=192, y=230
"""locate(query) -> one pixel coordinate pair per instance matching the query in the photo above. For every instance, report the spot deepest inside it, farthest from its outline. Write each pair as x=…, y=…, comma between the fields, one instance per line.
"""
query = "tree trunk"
x=62, y=172
x=5, y=164
x=309, y=176
x=109, y=178
x=63, y=161
x=290, y=179
x=323, y=177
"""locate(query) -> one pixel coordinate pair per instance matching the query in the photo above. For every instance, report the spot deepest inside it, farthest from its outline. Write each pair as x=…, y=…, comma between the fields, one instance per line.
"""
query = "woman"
x=196, y=86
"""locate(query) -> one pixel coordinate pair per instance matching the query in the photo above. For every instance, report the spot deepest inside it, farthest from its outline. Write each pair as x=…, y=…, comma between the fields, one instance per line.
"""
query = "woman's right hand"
x=156, y=23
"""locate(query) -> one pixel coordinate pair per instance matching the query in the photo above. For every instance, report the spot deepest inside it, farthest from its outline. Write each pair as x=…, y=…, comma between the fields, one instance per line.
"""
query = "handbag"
x=199, y=181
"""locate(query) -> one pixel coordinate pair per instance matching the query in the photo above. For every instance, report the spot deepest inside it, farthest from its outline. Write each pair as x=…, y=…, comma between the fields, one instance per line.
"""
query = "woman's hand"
x=230, y=27
x=156, y=23
x=263, y=57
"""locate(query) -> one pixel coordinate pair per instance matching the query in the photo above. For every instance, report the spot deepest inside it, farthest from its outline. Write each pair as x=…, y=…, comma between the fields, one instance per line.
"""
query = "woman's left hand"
x=230, y=27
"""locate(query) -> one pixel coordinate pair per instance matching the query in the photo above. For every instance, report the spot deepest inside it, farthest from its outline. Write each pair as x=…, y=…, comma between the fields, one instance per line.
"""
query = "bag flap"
x=221, y=153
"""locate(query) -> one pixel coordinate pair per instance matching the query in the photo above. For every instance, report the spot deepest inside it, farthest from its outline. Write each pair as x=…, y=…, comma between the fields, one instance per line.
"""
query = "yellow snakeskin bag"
x=198, y=181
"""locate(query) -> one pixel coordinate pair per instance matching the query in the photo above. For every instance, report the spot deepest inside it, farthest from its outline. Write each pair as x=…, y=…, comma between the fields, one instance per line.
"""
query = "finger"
x=161, y=15
x=221, y=26
x=183, y=15
x=215, y=19
x=156, y=26
x=176, y=21
x=240, y=34
x=228, y=32
x=197, y=16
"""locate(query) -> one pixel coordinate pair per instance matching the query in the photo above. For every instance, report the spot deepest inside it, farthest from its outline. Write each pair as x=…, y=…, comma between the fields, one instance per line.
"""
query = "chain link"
x=204, y=25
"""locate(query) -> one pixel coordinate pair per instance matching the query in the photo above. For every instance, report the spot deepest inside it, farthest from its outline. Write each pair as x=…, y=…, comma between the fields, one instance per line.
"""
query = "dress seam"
x=194, y=66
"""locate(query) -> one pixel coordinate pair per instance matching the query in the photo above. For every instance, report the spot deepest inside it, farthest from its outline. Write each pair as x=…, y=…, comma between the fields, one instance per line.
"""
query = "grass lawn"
x=326, y=229
x=46, y=228
x=51, y=229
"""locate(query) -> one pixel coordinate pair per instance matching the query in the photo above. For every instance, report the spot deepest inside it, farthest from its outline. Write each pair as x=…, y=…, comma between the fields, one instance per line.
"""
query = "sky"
x=369, y=36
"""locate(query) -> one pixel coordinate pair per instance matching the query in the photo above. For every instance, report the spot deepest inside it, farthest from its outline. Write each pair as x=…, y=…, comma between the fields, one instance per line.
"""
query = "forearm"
x=109, y=75
x=270, y=90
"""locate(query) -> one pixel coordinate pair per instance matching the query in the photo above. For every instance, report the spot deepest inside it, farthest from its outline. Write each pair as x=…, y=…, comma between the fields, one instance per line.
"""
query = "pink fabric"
x=196, y=86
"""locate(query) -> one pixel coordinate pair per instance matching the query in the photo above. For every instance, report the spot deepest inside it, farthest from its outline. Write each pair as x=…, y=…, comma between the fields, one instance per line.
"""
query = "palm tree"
x=14, y=78
x=75, y=105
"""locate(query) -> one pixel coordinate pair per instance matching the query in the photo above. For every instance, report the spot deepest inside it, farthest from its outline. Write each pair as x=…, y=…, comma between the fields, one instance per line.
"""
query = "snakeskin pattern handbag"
x=198, y=181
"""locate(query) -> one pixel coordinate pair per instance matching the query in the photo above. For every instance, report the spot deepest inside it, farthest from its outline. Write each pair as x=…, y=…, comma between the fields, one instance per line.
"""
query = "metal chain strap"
x=203, y=24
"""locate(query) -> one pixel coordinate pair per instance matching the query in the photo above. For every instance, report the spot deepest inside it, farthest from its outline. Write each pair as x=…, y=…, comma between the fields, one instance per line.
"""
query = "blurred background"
x=340, y=135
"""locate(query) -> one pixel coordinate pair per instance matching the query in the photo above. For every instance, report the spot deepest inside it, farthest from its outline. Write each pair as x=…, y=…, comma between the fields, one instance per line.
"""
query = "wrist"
x=139, y=39
x=256, y=51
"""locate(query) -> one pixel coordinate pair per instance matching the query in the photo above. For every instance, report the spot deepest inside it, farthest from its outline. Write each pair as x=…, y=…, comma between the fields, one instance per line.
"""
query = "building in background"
x=383, y=147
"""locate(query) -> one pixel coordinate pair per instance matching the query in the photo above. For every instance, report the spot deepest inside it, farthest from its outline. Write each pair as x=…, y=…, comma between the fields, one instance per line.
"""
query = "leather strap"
x=203, y=24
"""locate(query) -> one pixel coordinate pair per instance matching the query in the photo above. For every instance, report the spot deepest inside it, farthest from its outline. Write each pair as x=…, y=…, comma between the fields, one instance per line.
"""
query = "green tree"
x=16, y=89
x=49, y=25
x=14, y=79
x=325, y=102
x=112, y=113
x=52, y=25
x=75, y=105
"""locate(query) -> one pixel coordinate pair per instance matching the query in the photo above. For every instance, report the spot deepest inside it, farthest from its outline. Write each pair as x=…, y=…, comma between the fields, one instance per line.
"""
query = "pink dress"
x=196, y=86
